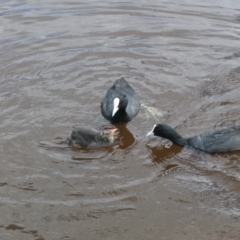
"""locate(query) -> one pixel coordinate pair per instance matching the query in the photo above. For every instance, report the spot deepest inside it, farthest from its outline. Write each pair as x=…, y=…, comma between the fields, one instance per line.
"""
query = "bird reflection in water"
x=161, y=154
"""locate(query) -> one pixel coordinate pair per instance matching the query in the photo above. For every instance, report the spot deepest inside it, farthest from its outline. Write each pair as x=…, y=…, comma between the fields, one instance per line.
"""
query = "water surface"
x=58, y=58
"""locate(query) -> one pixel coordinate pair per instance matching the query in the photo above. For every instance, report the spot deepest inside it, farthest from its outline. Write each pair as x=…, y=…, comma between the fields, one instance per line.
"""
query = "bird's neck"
x=121, y=115
x=176, y=138
x=180, y=141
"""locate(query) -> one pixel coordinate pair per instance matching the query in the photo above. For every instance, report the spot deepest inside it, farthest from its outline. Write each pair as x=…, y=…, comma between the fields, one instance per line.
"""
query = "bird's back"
x=83, y=136
x=216, y=141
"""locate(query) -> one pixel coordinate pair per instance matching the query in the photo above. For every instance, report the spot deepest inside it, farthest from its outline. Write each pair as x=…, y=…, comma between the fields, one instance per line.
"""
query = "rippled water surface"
x=57, y=60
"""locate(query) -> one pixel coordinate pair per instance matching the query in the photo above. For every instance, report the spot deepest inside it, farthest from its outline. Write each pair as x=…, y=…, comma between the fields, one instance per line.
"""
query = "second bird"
x=120, y=103
x=213, y=141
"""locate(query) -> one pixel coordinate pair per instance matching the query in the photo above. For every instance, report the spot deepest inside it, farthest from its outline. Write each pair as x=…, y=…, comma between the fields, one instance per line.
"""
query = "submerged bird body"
x=214, y=141
x=88, y=137
x=120, y=103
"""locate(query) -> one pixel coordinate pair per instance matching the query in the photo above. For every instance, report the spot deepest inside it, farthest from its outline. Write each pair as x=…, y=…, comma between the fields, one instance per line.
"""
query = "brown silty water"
x=58, y=58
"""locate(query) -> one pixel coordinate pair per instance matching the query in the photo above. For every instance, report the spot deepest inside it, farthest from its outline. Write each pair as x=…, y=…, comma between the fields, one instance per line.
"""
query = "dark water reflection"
x=127, y=138
x=57, y=61
x=159, y=154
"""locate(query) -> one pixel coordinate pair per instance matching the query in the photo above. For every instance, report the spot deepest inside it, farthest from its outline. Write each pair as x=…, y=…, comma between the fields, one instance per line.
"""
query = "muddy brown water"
x=58, y=58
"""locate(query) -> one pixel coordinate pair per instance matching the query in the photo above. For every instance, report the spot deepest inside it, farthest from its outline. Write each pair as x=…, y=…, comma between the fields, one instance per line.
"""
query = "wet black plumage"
x=128, y=106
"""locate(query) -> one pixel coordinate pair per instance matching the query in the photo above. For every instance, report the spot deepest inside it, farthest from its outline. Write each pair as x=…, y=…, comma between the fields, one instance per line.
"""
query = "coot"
x=120, y=103
x=214, y=141
x=89, y=137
